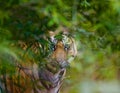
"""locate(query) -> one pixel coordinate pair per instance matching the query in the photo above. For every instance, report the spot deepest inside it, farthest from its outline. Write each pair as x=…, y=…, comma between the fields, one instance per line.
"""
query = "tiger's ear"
x=52, y=37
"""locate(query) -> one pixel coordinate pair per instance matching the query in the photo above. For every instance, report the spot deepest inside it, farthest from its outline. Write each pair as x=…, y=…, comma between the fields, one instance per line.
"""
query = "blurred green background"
x=94, y=24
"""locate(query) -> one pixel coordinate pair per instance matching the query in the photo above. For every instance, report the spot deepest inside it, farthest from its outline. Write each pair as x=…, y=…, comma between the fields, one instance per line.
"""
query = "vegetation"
x=94, y=24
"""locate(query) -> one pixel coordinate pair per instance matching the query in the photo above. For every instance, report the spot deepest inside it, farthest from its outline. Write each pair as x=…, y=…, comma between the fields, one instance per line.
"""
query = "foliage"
x=95, y=25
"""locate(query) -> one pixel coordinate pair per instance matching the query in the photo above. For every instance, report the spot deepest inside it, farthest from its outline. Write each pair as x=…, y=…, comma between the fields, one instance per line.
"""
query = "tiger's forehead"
x=59, y=37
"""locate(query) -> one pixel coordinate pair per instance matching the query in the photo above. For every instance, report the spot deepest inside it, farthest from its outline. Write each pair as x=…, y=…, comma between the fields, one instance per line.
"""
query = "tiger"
x=32, y=78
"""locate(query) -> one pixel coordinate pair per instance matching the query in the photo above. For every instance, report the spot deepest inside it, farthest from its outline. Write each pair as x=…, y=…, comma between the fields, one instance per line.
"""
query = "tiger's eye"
x=53, y=47
x=67, y=47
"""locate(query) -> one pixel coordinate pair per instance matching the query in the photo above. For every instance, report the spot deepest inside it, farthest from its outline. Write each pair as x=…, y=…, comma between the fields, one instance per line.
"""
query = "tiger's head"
x=64, y=48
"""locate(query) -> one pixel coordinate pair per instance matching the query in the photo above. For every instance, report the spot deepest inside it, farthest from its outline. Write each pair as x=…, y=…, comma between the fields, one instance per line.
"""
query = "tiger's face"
x=64, y=48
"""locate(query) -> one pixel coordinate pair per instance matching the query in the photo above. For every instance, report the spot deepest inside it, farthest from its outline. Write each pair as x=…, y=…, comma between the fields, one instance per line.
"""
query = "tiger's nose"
x=63, y=64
